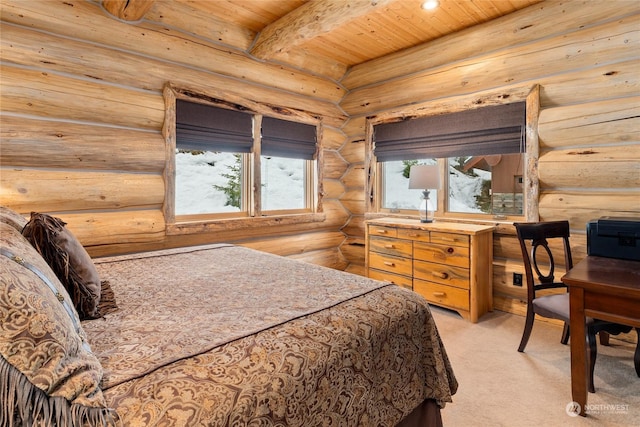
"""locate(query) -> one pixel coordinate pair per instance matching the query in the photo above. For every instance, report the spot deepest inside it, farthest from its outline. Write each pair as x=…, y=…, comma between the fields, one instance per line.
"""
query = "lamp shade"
x=424, y=177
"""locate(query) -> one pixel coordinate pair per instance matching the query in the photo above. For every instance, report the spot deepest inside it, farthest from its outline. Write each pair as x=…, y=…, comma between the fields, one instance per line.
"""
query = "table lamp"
x=425, y=177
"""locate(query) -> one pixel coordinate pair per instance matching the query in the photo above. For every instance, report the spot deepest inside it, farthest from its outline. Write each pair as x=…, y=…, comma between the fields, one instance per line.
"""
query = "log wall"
x=584, y=56
x=82, y=116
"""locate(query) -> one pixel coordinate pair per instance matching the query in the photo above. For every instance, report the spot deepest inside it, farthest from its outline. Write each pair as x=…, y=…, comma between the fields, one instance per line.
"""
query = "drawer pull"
x=390, y=264
x=448, y=239
x=439, y=294
x=381, y=231
x=450, y=250
x=413, y=235
x=440, y=274
x=389, y=246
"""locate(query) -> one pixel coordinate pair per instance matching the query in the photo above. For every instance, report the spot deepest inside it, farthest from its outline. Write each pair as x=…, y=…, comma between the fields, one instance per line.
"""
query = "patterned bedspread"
x=225, y=335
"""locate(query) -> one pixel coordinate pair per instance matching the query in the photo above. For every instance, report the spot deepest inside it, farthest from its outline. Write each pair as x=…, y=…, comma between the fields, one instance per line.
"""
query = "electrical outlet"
x=517, y=279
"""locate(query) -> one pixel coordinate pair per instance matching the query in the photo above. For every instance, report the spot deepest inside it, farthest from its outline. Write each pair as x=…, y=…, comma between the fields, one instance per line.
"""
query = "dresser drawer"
x=449, y=239
x=396, y=279
x=390, y=263
x=411, y=234
x=441, y=273
x=380, y=230
x=442, y=254
x=447, y=296
x=397, y=247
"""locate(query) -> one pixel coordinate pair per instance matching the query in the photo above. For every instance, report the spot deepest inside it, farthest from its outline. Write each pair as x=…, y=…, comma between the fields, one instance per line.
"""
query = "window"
x=212, y=145
x=288, y=149
x=480, y=153
x=230, y=163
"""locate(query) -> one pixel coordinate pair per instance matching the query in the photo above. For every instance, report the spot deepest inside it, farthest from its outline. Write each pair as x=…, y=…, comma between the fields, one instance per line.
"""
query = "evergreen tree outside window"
x=215, y=163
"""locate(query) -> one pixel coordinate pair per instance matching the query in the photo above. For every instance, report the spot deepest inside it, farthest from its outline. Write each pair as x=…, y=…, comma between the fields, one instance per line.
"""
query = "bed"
x=223, y=335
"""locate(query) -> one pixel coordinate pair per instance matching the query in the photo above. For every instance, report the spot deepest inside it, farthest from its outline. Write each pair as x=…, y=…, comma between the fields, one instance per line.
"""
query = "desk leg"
x=578, y=348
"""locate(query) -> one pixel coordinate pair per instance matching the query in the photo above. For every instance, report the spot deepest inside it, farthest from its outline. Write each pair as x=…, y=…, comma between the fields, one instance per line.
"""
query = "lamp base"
x=426, y=220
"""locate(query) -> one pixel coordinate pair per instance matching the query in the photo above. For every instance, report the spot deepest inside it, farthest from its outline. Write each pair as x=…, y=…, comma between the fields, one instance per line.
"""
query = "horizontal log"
x=353, y=200
x=46, y=190
x=627, y=201
x=616, y=41
x=353, y=151
x=355, y=207
x=334, y=165
x=332, y=138
x=509, y=305
x=613, y=80
x=503, y=279
x=593, y=153
x=86, y=21
x=506, y=247
x=122, y=228
x=354, y=127
x=49, y=95
x=353, y=249
x=333, y=188
x=355, y=226
x=539, y=21
x=603, y=122
x=337, y=215
x=355, y=194
x=28, y=142
x=354, y=177
x=580, y=217
x=182, y=15
x=297, y=244
x=593, y=175
x=331, y=258
x=34, y=49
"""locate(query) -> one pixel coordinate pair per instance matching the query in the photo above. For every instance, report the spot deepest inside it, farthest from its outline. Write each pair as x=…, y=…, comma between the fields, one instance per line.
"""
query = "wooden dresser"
x=448, y=263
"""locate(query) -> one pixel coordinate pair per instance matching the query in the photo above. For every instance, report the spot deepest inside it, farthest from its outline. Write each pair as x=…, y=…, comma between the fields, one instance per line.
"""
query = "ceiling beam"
x=310, y=20
x=127, y=10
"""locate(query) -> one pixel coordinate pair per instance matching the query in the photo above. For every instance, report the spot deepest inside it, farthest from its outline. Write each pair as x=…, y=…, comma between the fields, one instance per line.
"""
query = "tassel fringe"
x=25, y=405
x=107, y=299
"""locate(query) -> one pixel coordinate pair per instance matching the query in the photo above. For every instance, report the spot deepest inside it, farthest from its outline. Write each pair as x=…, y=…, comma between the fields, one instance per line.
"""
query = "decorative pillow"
x=68, y=259
x=48, y=372
x=12, y=218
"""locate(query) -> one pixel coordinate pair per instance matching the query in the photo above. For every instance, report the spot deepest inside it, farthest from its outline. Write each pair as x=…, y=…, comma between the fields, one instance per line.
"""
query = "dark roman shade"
x=204, y=127
x=282, y=138
x=483, y=131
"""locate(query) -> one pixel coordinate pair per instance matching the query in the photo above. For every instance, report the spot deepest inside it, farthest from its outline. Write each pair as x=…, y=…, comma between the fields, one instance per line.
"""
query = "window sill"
x=204, y=226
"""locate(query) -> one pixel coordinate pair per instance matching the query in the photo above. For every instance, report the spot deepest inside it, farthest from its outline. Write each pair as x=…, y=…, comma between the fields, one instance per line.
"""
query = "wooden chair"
x=536, y=242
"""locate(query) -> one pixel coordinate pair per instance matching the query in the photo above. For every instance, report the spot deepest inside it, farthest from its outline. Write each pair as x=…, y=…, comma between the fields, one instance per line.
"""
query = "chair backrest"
x=540, y=236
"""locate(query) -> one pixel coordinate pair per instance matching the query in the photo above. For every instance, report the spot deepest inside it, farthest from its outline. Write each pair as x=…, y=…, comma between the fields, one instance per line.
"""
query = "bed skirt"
x=426, y=415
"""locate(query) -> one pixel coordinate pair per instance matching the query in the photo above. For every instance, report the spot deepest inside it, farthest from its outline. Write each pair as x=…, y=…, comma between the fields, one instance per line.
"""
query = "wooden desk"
x=602, y=288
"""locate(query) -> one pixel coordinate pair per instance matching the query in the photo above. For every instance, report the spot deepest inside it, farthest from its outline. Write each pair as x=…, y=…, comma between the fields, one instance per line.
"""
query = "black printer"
x=614, y=237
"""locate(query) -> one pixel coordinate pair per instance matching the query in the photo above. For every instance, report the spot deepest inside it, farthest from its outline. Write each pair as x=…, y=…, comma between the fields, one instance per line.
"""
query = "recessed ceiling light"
x=430, y=4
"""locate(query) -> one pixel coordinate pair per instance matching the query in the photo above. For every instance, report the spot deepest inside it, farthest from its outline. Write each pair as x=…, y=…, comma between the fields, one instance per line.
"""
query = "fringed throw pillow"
x=48, y=373
x=69, y=260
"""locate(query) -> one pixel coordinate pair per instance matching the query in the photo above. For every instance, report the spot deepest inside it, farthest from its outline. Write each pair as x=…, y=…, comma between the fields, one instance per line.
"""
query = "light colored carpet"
x=501, y=387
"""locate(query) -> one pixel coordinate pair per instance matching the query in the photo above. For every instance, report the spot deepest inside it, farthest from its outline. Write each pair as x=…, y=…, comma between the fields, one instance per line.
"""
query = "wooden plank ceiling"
x=323, y=37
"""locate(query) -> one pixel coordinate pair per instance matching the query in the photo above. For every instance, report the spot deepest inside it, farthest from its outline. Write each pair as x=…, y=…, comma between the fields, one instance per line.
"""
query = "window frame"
x=374, y=185
x=253, y=216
